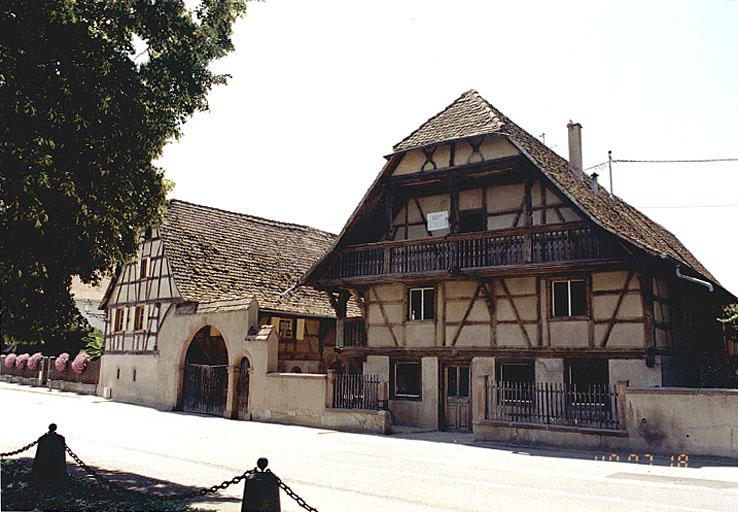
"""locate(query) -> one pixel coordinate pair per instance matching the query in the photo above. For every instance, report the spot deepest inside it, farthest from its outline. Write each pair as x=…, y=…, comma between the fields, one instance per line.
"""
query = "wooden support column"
x=453, y=187
x=389, y=211
x=528, y=221
x=338, y=302
x=645, y=284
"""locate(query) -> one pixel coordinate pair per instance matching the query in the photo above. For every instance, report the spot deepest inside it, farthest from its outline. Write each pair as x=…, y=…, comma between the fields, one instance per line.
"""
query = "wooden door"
x=243, y=390
x=457, y=387
x=205, y=389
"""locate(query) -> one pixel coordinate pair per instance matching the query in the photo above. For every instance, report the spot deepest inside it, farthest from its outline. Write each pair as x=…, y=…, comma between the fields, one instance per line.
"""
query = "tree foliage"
x=90, y=92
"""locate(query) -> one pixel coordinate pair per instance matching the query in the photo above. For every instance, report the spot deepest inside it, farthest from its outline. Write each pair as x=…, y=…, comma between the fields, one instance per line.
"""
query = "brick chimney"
x=575, y=148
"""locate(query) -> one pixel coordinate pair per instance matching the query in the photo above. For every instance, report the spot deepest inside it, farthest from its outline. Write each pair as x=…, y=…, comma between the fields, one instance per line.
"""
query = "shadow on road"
x=86, y=492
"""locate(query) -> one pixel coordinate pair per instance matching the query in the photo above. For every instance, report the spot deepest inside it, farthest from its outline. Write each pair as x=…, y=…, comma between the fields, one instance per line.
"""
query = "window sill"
x=413, y=398
x=428, y=321
x=569, y=318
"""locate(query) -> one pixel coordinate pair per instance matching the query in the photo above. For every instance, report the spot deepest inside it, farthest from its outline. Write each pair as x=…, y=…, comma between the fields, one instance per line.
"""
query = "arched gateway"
x=205, y=386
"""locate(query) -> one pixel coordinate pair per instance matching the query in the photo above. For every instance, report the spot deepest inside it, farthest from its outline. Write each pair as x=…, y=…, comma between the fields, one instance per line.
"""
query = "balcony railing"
x=473, y=251
x=594, y=406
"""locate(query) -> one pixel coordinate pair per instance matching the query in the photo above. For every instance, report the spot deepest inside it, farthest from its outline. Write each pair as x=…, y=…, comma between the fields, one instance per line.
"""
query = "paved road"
x=340, y=472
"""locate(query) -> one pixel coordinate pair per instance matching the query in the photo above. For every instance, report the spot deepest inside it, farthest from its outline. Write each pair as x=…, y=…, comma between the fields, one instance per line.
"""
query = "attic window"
x=144, y=269
x=147, y=234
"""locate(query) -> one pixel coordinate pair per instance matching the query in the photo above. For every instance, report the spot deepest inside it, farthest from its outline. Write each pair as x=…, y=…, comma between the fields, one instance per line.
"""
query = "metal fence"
x=594, y=406
x=356, y=392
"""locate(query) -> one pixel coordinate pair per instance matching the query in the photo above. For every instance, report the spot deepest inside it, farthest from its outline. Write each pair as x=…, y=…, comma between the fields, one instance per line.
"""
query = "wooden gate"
x=243, y=390
x=205, y=389
x=457, y=395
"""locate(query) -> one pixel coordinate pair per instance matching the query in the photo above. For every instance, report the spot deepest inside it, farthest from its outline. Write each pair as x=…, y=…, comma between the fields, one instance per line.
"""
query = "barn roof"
x=471, y=115
x=219, y=256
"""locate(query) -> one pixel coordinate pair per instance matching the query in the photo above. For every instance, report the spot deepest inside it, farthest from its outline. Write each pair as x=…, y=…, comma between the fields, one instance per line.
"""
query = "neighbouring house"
x=498, y=281
x=178, y=317
x=87, y=299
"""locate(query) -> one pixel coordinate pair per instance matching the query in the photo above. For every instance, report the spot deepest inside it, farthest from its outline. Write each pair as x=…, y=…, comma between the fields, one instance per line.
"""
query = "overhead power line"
x=694, y=161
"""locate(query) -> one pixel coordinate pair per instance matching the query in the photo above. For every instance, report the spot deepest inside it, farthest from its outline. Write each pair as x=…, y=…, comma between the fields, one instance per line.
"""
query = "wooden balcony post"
x=528, y=221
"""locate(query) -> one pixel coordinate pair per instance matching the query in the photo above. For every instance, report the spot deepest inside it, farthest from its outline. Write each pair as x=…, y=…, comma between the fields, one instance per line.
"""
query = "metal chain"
x=176, y=496
x=19, y=450
x=292, y=494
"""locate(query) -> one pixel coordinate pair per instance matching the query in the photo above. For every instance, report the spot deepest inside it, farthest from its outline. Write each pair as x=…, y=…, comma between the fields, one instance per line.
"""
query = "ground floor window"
x=588, y=381
x=407, y=380
x=516, y=372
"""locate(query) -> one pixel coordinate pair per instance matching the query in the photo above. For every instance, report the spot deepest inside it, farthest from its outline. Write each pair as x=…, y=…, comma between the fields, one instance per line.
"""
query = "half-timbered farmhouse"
x=203, y=281
x=494, y=275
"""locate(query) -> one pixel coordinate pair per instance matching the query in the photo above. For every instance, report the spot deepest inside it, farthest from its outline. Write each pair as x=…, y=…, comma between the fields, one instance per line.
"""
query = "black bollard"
x=50, y=465
x=261, y=491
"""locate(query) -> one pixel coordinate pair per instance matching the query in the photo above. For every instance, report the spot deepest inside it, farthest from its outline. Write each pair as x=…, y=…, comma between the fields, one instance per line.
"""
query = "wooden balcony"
x=541, y=245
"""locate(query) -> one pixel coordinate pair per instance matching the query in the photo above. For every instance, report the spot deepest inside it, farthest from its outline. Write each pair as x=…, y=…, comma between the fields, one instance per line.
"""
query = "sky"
x=322, y=90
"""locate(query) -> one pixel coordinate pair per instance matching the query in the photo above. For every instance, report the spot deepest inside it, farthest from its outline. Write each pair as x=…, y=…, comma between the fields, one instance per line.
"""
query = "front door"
x=458, y=401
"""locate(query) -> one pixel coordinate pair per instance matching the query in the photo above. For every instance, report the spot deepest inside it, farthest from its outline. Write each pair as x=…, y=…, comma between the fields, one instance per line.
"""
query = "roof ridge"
x=253, y=217
x=471, y=93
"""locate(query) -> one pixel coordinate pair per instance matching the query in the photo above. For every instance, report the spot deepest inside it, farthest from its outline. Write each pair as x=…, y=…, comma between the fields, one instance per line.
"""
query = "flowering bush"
x=21, y=361
x=60, y=363
x=10, y=361
x=80, y=362
x=34, y=360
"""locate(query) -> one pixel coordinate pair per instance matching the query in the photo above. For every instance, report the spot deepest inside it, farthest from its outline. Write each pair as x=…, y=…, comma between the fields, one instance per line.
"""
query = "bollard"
x=50, y=465
x=261, y=491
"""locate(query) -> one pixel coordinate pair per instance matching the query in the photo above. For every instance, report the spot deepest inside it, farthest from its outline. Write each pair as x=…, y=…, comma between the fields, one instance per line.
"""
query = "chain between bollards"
x=261, y=469
x=19, y=450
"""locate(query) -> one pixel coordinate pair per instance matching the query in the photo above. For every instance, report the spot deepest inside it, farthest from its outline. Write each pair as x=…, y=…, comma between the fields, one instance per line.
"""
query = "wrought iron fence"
x=356, y=392
x=594, y=406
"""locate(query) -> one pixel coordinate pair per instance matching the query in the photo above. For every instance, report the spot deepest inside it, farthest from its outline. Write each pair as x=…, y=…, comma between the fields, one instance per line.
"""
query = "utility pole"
x=609, y=164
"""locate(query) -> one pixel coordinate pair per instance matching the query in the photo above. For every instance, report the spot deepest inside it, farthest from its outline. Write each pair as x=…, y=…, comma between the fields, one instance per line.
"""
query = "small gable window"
x=421, y=304
x=144, y=269
x=138, y=321
x=569, y=298
x=118, y=324
x=285, y=328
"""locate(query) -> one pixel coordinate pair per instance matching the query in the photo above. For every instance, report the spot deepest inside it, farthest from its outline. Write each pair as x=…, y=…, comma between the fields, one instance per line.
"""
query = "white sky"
x=322, y=90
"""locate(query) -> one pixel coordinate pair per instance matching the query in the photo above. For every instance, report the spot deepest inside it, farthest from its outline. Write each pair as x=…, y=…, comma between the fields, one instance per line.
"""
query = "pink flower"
x=60, y=363
x=80, y=362
x=34, y=360
x=10, y=361
x=21, y=361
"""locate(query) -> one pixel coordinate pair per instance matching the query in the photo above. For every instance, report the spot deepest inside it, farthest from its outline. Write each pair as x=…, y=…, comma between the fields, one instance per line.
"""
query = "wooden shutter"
x=300, y=334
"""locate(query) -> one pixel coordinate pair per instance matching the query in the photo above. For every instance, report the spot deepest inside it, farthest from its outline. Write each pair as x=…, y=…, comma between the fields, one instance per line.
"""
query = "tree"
x=84, y=113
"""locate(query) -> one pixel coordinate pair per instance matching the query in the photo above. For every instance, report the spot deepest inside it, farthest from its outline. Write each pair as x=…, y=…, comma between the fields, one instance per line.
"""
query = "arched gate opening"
x=205, y=386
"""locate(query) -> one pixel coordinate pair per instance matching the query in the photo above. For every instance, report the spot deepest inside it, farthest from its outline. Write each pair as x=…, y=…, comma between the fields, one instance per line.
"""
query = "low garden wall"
x=44, y=372
x=306, y=399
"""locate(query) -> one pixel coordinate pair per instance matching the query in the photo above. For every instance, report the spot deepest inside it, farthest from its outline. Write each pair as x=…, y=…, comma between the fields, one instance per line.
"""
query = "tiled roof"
x=262, y=334
x=467, y=116
x=221, y=257
x=472, y=115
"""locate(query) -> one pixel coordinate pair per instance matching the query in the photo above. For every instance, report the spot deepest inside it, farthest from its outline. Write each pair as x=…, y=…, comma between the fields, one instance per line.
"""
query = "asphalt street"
x=335, y=471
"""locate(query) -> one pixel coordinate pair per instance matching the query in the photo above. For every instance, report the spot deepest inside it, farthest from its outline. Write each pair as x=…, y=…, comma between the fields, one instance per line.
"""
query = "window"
x=471, y=221
x=421, y=304
x=285, y=328
x=118, y=324
x=144, y=269
x=138, y=322
x=407, y=380
x=568, y=298
x=518, y=373
x=585, y=373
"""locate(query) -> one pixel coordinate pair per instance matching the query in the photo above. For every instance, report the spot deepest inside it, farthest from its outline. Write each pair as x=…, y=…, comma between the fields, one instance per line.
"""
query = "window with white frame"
x=568, y=298
x=407, y=380
x=421, y=301
x=138, y=320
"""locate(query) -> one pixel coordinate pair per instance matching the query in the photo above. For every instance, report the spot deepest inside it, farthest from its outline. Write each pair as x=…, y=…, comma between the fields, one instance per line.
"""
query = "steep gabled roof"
x=217, y=256
x=471, y=115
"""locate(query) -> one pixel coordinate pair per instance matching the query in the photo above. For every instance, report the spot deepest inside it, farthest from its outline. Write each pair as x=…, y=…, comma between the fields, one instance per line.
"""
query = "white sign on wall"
x=438, y=220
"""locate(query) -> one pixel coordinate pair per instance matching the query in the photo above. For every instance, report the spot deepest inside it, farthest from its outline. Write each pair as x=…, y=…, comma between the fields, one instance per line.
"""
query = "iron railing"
x=356, y=392
x=593, y=406
x=541, y=245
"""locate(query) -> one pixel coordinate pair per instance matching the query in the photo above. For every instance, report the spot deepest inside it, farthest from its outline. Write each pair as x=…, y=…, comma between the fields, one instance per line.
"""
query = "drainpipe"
x=701, y=282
